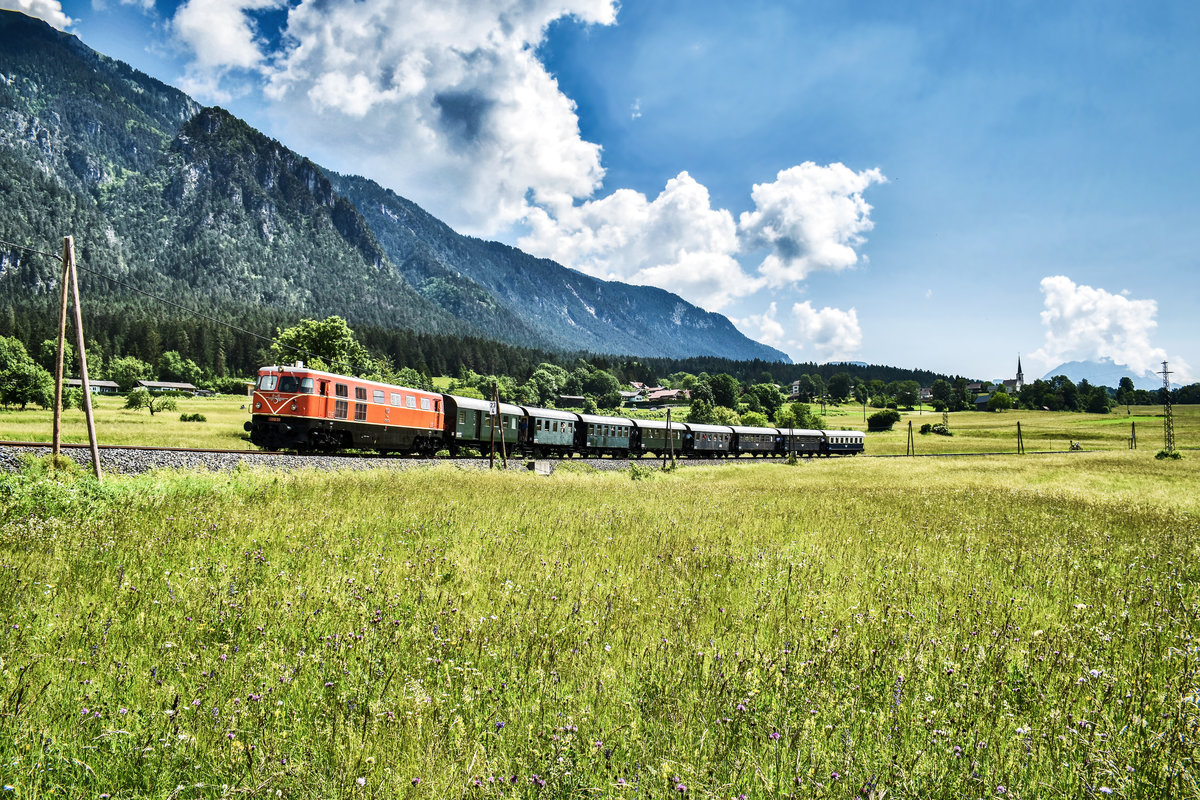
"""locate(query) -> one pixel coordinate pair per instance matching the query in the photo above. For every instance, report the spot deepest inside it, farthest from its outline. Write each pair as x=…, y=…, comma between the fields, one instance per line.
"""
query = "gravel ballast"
x=133, y=461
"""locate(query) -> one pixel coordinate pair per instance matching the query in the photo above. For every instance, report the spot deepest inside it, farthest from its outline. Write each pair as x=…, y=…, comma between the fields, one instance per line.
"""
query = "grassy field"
x=974, y=432
x=222, y=429
x=1020, y=627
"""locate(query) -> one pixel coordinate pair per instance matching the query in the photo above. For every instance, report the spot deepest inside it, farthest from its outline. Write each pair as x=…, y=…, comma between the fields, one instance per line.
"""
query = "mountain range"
x=1106, y=372
x=191, y=203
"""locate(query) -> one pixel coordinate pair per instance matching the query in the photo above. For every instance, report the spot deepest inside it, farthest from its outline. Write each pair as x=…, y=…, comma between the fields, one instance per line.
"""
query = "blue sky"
x=929, y=184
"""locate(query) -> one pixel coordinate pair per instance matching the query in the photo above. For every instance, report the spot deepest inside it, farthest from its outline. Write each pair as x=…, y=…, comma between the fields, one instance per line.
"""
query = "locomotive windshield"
x=266, y=383
x=290, y=383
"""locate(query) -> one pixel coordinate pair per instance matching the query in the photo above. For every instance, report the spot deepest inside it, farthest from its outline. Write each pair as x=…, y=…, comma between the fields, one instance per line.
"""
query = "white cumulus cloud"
x=444, y=101
x=1086, y=323
x=49, y=11
x=676, y=241
x=221, y=37
x=827, y=334
x=810, y=218
x=833, y=334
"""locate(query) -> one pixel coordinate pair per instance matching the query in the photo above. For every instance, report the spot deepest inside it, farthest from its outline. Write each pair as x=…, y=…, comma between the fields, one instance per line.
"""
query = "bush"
x=72, y=397
x=640, y=472
x=883, y=420
x=941, y=430
x=926, y=428
x=1174, y=455
x=193, y=418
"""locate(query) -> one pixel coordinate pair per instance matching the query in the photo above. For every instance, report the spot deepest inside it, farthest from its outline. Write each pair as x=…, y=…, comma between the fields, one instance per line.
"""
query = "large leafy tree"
x=174, y=367
x=839, y=385
x=725, y=390
x=21, y=380
x=127, y=371
x=329, y=345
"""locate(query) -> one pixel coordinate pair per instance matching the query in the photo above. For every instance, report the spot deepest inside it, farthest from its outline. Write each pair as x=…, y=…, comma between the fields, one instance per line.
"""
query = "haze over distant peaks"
x=1105, y=372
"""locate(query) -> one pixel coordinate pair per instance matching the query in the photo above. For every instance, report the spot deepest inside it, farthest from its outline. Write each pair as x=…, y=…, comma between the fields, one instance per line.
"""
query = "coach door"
x=324, y=402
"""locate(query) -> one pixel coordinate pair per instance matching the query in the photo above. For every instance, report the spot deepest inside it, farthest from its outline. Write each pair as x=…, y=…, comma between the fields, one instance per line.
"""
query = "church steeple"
x=1020, y=374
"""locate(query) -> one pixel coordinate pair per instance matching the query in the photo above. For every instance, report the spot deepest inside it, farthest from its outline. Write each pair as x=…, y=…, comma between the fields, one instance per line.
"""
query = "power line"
x=171, y=303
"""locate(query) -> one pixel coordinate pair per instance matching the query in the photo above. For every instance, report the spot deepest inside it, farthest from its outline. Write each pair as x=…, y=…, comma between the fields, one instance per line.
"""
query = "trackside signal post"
x=69, y=275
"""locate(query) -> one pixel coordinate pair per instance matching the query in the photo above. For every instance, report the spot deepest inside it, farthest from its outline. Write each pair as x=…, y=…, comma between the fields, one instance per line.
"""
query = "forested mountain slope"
x=193, y=204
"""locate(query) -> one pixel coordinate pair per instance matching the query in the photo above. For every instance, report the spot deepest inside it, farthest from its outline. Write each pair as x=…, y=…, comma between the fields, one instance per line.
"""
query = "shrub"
x=1174, y=455
x=72, y=397
x=941, y=430
x=926, y=428
x=883, y=420
x=640, y=472
x=193, y=418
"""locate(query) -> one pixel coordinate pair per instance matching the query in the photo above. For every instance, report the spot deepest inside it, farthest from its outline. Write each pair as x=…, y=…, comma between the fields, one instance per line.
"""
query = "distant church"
x=1014, y=386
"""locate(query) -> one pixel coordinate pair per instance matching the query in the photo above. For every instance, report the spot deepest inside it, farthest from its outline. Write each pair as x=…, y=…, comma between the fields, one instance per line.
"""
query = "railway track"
x=125, y=459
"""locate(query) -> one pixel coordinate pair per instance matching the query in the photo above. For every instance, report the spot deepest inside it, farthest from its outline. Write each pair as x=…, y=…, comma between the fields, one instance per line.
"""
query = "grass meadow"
x=1003, y=627
x=974, y=432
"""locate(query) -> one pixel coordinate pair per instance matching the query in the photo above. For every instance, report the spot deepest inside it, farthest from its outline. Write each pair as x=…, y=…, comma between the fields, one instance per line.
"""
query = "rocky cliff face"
x=192, y=201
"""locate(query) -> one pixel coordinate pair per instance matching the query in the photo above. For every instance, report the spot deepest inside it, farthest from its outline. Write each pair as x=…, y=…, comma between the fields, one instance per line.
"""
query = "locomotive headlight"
x=293, y=406
x=258, y=405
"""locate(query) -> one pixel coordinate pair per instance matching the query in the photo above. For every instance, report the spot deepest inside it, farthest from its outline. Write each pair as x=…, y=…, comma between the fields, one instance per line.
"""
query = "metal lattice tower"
x=1168, y=417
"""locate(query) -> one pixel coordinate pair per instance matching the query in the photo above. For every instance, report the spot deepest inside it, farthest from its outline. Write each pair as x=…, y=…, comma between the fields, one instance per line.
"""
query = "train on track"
x=297, y=408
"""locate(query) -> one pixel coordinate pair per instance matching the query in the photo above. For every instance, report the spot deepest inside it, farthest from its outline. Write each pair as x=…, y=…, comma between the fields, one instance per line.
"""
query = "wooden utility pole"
x=496, y=400
x=67, y=256
x=670, y=440
x=492, y=456
x=1020, y=440
x=70, y=274
x=911, y=448
x=1133, y=436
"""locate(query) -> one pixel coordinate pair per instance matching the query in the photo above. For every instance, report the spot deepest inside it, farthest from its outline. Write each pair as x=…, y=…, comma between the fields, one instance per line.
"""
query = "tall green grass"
x=837, y=629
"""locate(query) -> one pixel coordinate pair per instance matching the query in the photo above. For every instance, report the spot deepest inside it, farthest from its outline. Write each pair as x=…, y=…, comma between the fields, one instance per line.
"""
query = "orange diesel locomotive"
x=305, y=409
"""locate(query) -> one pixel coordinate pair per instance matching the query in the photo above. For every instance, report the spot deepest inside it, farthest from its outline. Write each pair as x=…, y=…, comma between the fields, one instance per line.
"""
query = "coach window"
x=341, y=390
x=410, y=401
x=426, y=405
x=395, y=398
x=360, y=411
x=360, y=393
x=340, y=408
x=377, y=396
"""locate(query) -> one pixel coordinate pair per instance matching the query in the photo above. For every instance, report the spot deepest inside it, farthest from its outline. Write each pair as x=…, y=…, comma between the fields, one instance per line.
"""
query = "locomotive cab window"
x=267, y=383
